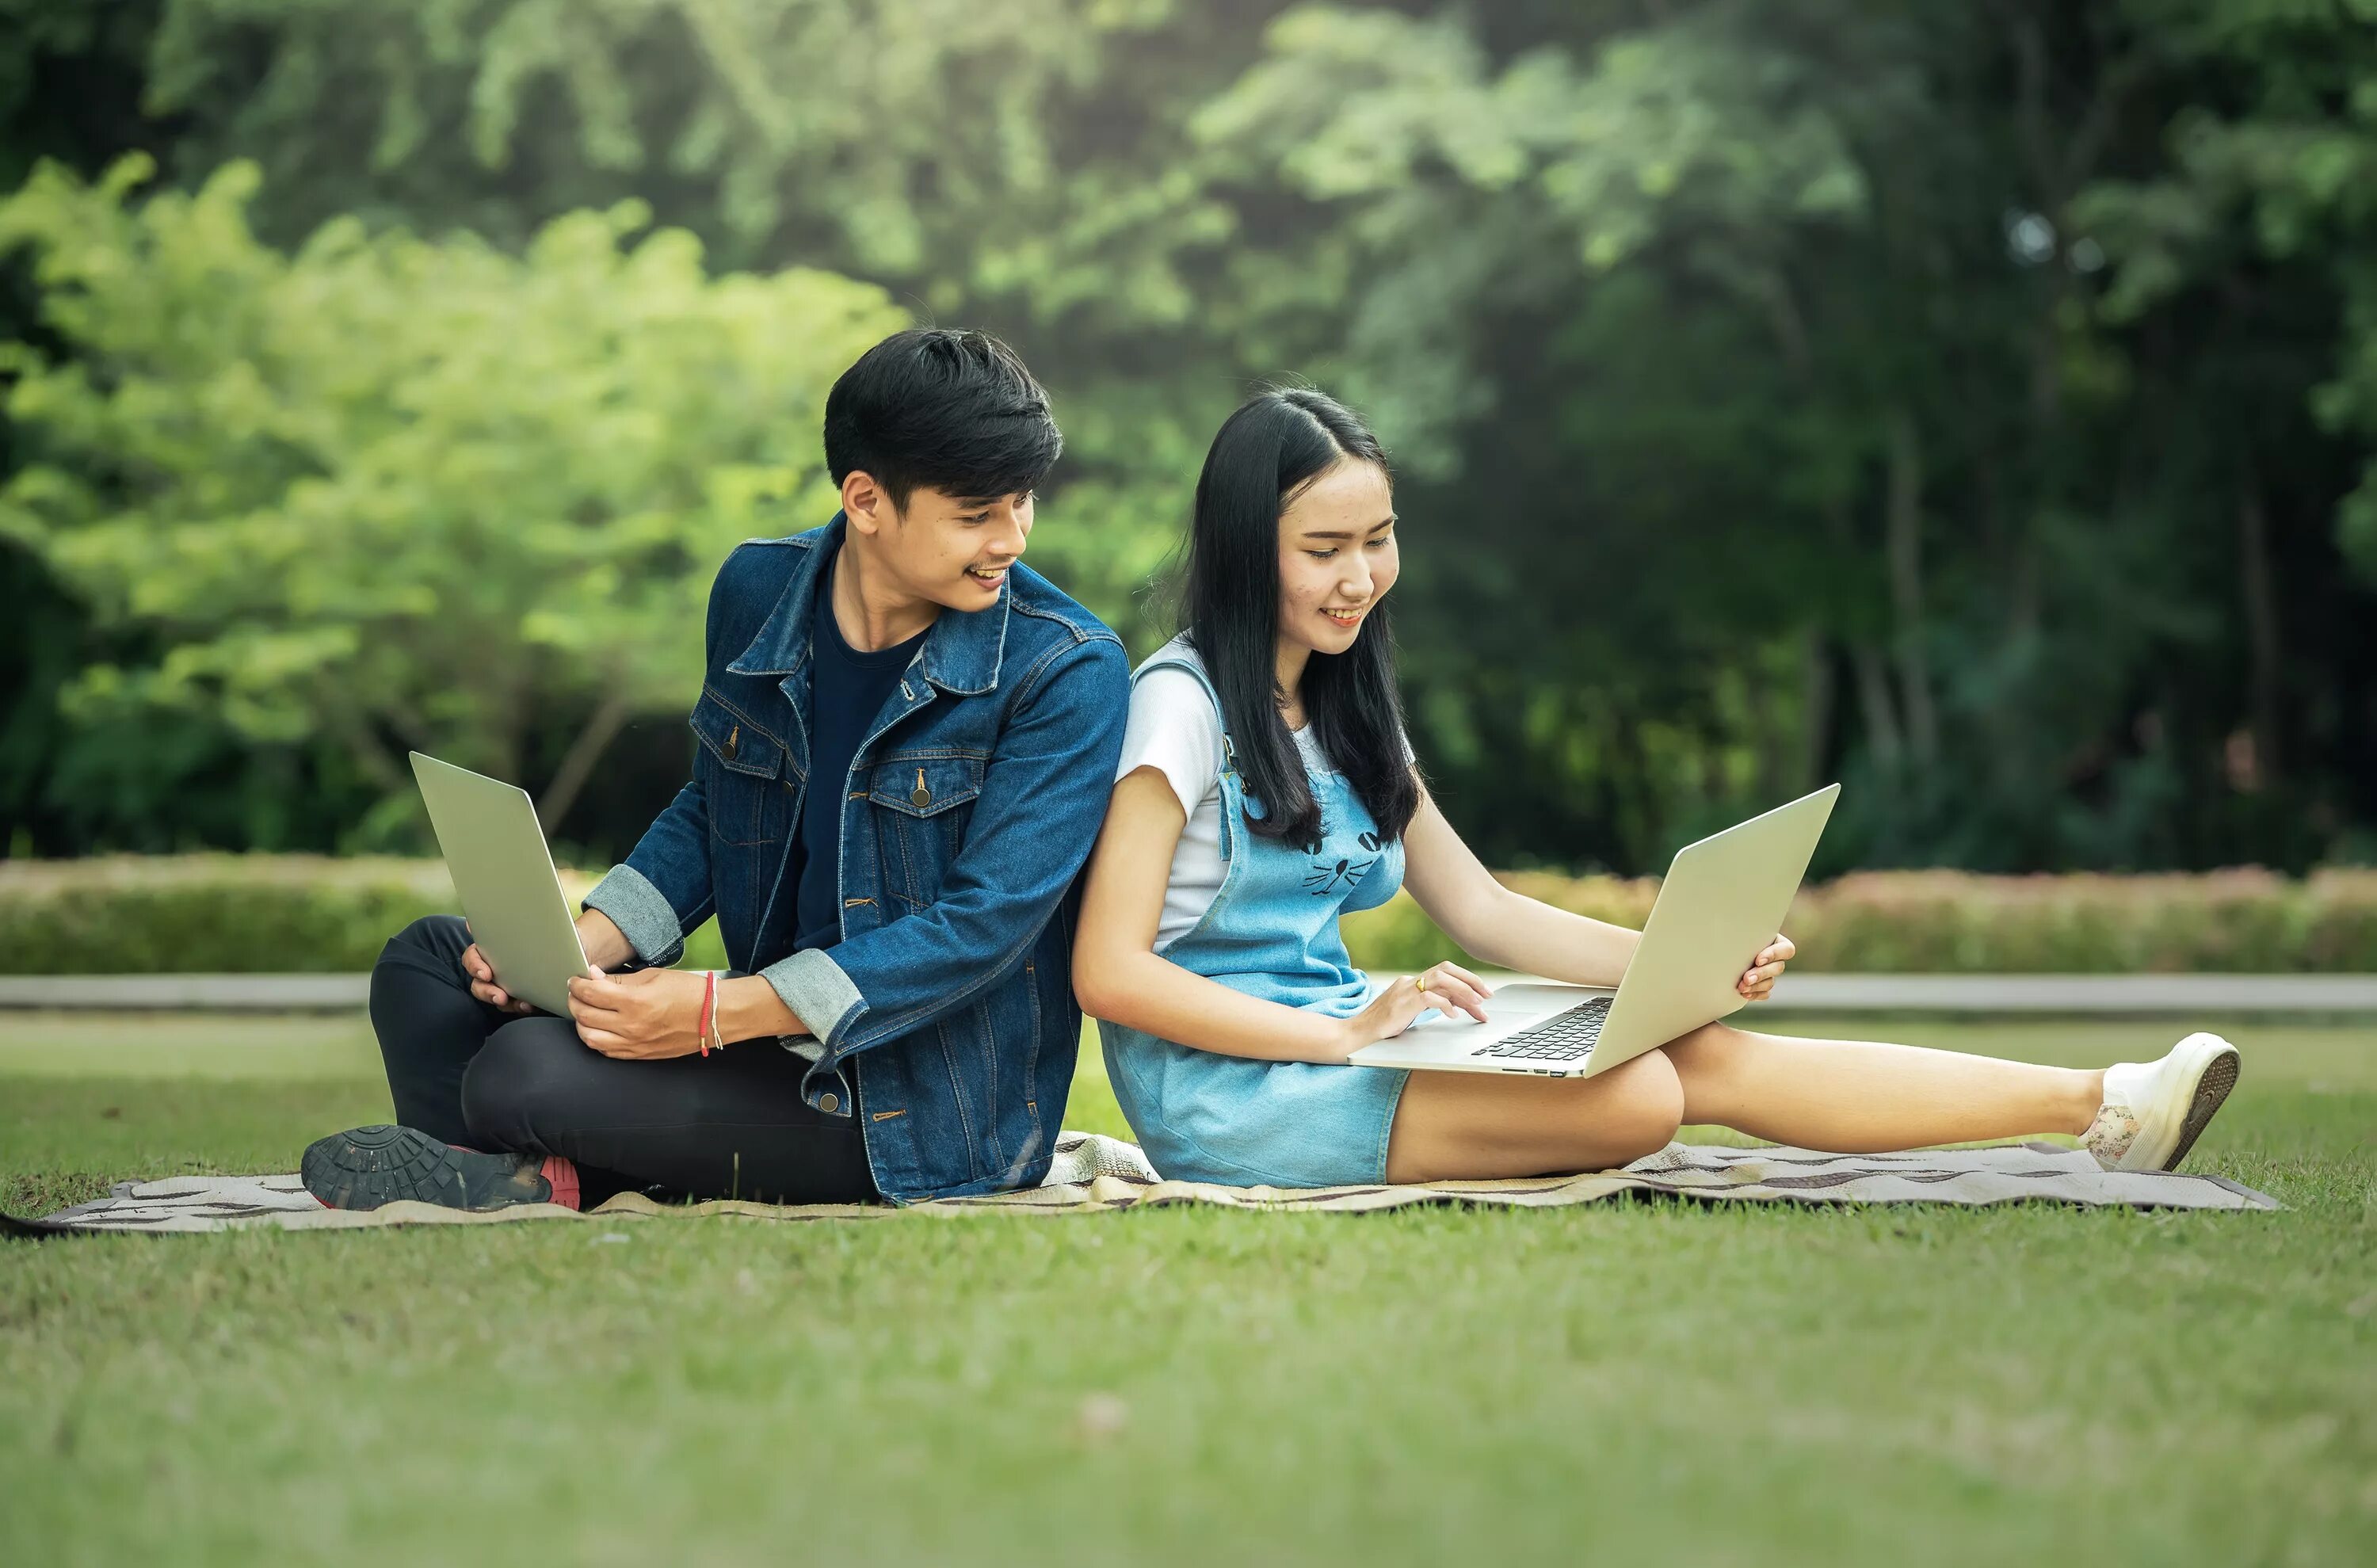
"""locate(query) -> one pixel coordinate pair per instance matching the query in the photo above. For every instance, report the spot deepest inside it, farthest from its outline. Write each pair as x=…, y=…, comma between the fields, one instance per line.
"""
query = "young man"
x=905, y=739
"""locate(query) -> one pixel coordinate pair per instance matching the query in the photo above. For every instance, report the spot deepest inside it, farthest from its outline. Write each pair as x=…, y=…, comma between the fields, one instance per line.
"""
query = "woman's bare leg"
x=1859, y=1096
x=1455, y=1126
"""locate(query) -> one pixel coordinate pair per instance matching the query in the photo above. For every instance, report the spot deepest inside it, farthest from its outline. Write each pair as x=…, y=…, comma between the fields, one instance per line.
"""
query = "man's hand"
x=1757, y=982
x=483, y=984
x=607, y=948
x=644, y=1016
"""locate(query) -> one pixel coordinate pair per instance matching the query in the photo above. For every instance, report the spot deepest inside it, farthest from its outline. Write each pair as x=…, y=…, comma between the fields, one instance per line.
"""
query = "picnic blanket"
x=1093, y=1174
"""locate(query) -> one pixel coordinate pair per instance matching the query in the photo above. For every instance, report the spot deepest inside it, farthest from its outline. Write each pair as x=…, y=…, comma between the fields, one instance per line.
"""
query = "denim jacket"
x=944, y=1017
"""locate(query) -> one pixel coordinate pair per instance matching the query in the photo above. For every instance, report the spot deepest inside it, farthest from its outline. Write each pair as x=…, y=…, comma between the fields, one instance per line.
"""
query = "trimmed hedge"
x=228, y=914
x=1951, y=922
x=265, y=914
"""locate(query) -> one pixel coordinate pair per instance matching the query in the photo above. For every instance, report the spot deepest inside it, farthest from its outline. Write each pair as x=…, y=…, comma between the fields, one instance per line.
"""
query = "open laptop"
x=1724, y=900
x=496, y=854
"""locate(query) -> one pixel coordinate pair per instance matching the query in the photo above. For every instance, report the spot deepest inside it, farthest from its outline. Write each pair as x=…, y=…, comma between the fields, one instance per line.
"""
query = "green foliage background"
x=276, y=913
x=1974, y=400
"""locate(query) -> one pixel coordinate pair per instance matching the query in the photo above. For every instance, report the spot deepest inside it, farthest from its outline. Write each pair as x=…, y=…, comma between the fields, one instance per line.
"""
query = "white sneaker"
x=2153, y=1111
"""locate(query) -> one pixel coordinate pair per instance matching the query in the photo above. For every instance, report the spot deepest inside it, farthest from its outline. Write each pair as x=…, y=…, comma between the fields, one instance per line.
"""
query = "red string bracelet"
x=709, y=1001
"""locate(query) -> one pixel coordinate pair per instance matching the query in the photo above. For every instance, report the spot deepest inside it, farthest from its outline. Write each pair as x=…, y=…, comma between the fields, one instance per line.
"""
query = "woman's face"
x=1336, y=554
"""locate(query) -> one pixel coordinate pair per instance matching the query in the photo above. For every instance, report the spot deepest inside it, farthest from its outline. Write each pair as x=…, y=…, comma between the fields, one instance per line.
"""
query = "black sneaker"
x=371, y=1166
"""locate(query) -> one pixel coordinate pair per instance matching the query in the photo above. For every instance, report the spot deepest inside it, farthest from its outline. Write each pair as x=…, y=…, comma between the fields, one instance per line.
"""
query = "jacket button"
x=734, y=743
x=829, y=1103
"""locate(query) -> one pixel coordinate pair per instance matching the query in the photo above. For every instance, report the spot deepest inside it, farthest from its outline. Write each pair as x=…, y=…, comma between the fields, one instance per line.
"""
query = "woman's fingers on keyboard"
x=1480, y=987
x=1454, y=989
x=1469, y=999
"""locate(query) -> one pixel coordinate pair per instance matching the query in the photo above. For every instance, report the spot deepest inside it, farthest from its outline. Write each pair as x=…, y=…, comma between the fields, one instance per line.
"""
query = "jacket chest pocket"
x=742, y=776
x=921, y=806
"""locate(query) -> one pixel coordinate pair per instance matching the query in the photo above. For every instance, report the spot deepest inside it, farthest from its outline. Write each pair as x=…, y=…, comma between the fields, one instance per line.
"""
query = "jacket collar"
x=961, y=654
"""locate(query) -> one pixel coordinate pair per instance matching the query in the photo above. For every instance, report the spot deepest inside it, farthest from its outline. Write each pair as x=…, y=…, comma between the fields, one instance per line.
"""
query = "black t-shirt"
x=847, y=690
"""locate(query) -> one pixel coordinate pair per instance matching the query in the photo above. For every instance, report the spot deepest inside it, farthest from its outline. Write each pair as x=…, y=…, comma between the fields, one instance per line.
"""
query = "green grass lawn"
x=1748, y=1385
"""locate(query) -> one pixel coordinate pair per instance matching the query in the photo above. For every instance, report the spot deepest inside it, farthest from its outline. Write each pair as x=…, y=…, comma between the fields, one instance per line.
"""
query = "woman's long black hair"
x=1272, y=447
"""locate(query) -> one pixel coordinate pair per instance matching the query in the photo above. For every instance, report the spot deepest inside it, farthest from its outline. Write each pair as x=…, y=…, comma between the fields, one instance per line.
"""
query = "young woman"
x=1265, y=788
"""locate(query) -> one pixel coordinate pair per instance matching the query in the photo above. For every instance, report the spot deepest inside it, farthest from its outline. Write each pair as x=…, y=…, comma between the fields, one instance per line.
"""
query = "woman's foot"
x=2153, y=1111
x=371, y=1166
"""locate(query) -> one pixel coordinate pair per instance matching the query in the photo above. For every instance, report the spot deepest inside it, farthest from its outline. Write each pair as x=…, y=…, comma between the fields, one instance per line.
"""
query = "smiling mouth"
x=1347, y=617
x=990, y=575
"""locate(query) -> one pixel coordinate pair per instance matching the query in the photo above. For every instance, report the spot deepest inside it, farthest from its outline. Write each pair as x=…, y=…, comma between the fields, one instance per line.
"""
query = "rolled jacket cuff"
x=642, y=915
x=819, y=994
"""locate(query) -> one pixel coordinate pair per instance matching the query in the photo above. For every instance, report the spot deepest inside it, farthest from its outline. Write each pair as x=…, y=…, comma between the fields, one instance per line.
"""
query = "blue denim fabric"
x=1272, y=933
x=945, y=1015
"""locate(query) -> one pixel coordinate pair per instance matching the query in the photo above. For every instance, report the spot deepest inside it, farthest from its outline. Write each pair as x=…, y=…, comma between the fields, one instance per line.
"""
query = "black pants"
x=731, y=1124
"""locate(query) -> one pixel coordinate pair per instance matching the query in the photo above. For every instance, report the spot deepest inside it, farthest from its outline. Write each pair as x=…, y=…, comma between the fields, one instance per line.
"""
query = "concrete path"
x=186, y=993
x=2132, y=995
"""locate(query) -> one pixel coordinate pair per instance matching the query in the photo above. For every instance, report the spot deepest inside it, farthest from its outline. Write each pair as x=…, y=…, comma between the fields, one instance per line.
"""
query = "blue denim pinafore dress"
x=1272, y=932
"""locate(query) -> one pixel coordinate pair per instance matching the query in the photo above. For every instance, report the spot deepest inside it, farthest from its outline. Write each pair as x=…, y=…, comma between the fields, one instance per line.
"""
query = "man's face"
x=952, y=550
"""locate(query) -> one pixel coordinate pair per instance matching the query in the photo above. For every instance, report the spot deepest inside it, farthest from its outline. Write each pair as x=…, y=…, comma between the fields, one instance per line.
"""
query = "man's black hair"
x=937, y=408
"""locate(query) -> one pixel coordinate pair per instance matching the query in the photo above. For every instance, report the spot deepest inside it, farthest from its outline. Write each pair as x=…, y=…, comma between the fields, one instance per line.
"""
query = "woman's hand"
x=1445, y=987
x=1757, y=982
x=644, y=1016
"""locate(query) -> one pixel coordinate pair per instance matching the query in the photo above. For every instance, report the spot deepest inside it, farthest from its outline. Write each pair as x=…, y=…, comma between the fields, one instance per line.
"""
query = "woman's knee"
x=1710, y=1048
x=1640, y=1107
x=515, y=1084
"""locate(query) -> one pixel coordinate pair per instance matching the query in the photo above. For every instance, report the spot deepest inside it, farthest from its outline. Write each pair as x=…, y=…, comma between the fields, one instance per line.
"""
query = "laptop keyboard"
x=1565, y=1036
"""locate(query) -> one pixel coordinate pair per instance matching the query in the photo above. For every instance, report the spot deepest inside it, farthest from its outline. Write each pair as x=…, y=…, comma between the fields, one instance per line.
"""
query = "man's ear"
x=865, y=504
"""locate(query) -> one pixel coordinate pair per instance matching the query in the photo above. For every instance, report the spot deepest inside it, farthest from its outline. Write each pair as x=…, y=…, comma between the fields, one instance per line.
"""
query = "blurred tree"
x=71, y=81
x=1018, y=165
x=388, y=492
x=2272, y=176
x=2244, y=271
x=1766, y=331
x=1961, y=399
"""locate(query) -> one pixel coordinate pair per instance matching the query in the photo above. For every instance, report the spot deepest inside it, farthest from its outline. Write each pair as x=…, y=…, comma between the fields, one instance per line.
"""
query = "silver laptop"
x=1724, y=900
x=496, y=854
